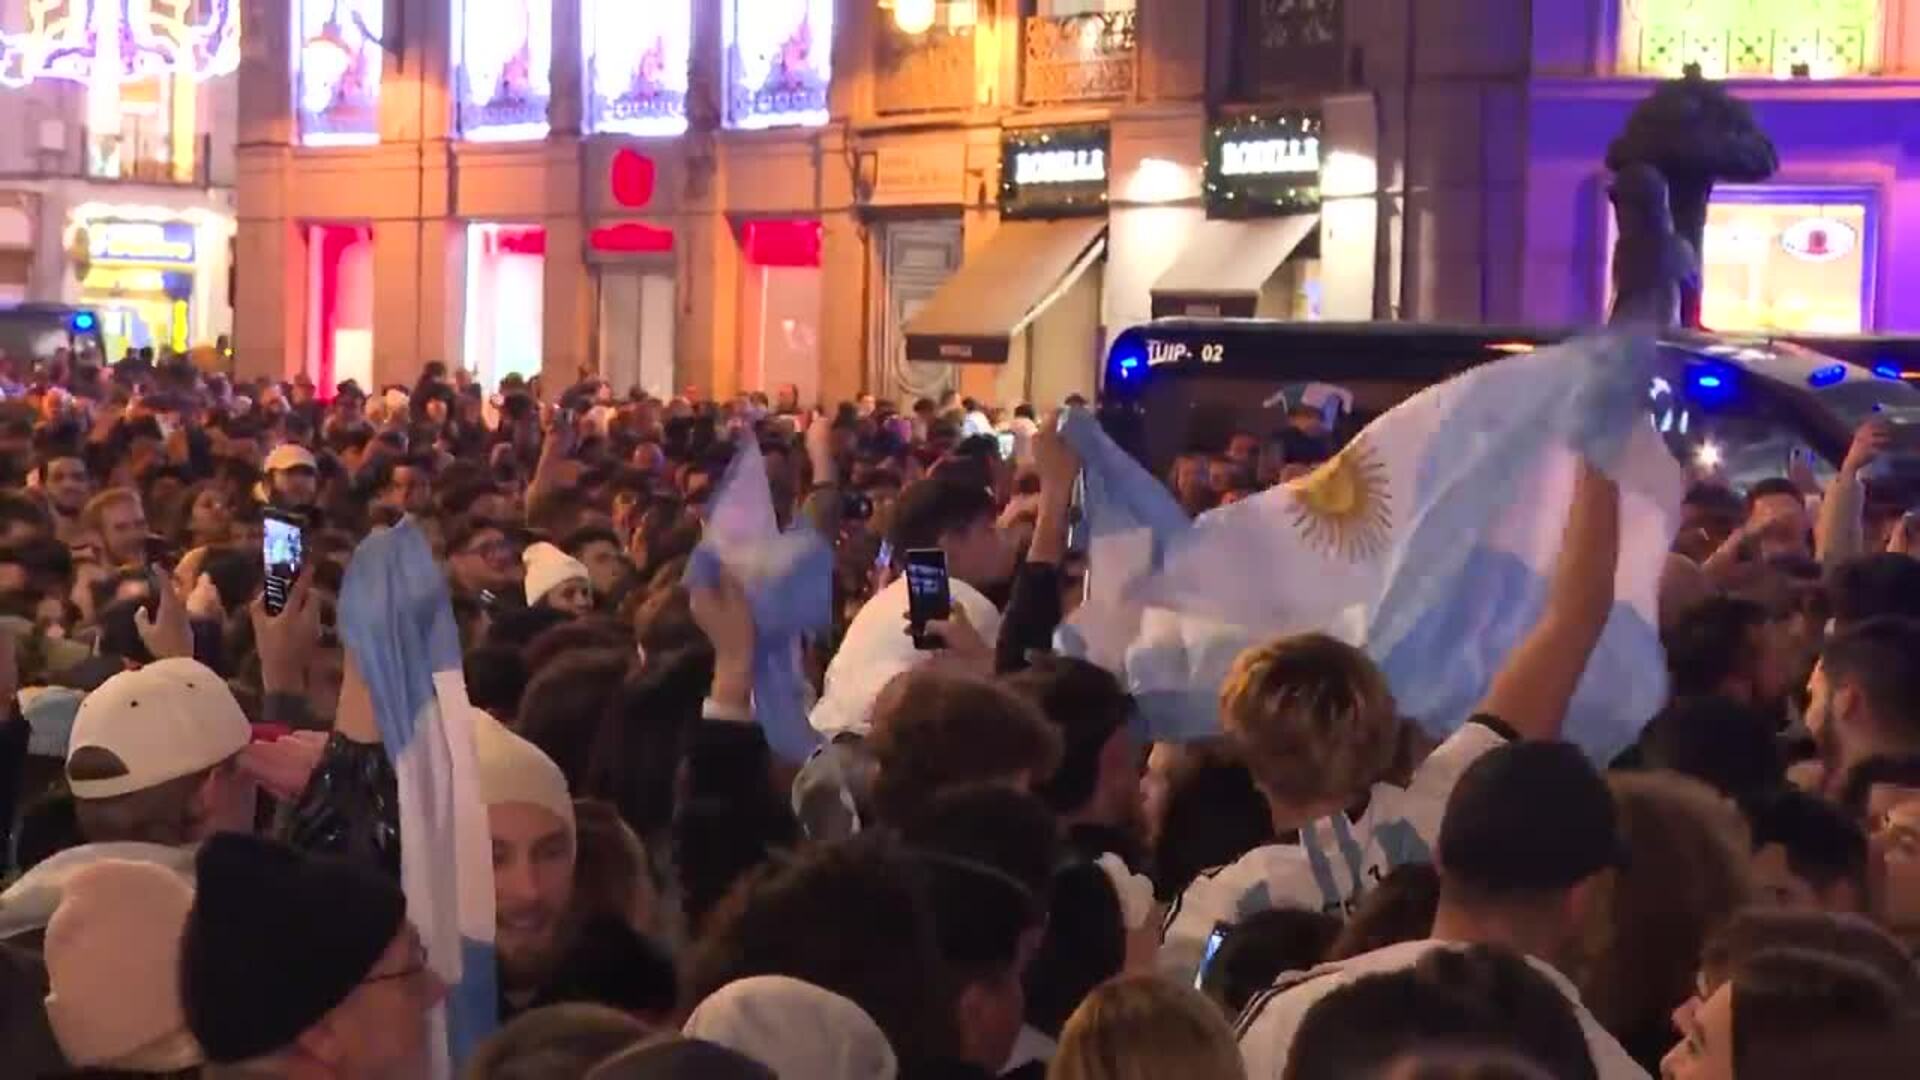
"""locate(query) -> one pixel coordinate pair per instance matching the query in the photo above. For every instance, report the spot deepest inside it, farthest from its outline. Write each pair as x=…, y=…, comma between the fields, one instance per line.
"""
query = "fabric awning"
x=1225, y=265
x=1024, y=267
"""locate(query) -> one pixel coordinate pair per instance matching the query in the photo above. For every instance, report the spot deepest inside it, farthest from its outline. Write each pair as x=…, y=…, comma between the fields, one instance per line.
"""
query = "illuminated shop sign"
x=506, y=68
x=637, y=65
x=779, y=61
x=1060, y=167
x=93, y=41
x=1819, y=239
x=1054, y=172
x=1264, y=163
x=144, y=243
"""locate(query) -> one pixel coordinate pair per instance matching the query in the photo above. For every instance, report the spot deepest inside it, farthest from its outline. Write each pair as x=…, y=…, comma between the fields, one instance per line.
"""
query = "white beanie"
x=547, y=568
x=113, y=968
x=513, y=770
x=795, y=1028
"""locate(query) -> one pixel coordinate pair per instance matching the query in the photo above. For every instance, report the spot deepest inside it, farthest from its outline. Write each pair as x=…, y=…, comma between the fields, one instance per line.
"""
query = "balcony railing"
x=923, y=72
x=1088, y=57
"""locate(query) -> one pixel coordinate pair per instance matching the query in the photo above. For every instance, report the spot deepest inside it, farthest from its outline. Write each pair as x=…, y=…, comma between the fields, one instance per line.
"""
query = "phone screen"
x=1005, y=439
x=928, y=594
x=1206, y=957
x=282, y=548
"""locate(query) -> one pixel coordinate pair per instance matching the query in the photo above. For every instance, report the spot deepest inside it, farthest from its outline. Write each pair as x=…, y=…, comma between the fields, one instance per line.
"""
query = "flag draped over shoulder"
x=1430, y=539
x=788, y=578
x=396, y=619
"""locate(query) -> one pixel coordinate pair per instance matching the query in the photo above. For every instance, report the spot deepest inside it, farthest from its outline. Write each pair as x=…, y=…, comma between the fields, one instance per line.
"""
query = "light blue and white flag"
x=788, y=578
x=396, y=619
x=1429, y=540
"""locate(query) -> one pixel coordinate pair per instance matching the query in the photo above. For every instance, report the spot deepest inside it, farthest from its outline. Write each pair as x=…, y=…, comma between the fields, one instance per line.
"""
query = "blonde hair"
x=1144, y=1027
x=1312, y=717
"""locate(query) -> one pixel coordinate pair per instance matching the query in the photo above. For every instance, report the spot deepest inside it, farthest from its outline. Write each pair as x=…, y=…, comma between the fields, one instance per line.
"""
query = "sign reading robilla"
x=1054, y=172
x=1264, y=163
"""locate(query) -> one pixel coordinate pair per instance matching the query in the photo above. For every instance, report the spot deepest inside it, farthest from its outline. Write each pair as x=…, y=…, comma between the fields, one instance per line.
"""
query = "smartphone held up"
x=929, y=595
x=282, y=551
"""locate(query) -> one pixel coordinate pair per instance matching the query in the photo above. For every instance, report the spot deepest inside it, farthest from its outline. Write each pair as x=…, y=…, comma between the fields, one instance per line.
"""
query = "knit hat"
x=680, y=1059
x=276, y=940
x=113, y=962
x=513, y=770
x=169, y=719
x=795, y=1028
x=547, y=568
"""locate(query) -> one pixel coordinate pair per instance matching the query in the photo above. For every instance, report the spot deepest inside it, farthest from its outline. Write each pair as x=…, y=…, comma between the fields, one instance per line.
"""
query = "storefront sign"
x=142, y=243
x=919, y=176
x=1819, y=239
x=1054, y=172
x=1266, y=163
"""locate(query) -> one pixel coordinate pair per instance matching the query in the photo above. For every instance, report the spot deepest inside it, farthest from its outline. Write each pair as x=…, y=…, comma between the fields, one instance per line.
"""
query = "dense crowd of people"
x=977, y=868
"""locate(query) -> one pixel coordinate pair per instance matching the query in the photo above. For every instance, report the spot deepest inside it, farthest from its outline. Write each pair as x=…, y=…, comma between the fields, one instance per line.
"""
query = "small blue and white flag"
x=788, y=579
x=396, y=619
x=1429, y=540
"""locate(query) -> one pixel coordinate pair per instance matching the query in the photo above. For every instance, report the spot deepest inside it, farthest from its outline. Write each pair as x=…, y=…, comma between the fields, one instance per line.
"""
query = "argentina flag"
x=1428, y=539
x=788, y=579
x=396, y=619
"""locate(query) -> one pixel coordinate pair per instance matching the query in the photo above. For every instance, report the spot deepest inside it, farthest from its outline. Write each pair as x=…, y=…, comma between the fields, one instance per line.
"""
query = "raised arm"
x=1839, y=534
x=1531, y=691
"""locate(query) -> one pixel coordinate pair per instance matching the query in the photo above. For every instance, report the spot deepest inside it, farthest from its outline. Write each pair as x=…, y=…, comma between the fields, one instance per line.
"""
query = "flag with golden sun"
x=1428, y=539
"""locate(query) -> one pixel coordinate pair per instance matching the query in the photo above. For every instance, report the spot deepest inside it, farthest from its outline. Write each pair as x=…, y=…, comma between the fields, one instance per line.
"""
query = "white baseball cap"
x=291, y=456
x=169, y=719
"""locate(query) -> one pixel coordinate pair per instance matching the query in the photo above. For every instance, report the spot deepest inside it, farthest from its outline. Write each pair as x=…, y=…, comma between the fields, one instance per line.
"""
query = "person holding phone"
x=945, y=539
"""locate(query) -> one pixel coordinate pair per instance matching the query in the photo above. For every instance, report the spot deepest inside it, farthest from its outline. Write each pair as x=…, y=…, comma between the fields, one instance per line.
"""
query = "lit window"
x=505, y=68
x=1795, y=264
x=1781, y=39
x=637, y=60
x=336, y=71
x=778, y=61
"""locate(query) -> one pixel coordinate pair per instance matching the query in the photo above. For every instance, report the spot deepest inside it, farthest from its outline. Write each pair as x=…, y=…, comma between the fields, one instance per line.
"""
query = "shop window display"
x=505, y=68
x=637, y=58
x=779, y=61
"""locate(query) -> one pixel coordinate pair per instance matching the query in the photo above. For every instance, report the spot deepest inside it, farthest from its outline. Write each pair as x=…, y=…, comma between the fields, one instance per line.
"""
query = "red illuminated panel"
x=782, y=243
x=632, y=178
x=631, y=238
x=531, y=241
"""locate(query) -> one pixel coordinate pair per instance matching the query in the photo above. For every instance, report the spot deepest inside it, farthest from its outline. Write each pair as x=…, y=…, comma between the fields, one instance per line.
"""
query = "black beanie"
x=276, y=939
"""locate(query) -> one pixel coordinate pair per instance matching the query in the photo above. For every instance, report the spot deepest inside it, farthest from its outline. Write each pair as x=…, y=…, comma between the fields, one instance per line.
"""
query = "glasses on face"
x=494, y=548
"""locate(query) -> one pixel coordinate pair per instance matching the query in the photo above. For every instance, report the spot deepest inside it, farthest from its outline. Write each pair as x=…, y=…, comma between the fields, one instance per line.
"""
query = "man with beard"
x=63, y=482
x=1865, y=700
x=550, y=952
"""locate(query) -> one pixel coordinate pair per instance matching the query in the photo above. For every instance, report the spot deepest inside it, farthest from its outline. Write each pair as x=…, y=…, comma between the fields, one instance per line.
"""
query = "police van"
x=1741, y=407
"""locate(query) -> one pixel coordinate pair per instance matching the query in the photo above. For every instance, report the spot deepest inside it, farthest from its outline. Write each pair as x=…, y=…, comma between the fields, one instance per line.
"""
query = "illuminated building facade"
x=116, y=192
x=914, y=195
x=727, y=194
x=1511, y=206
